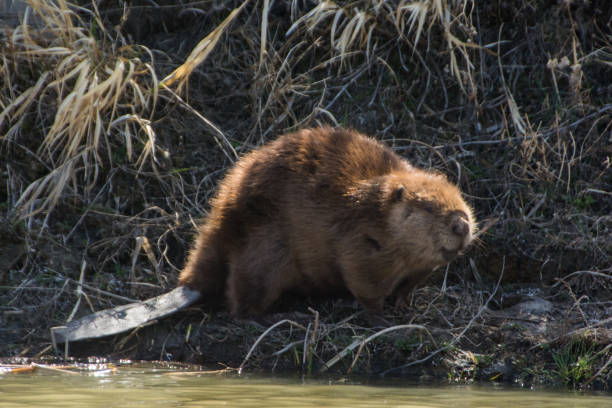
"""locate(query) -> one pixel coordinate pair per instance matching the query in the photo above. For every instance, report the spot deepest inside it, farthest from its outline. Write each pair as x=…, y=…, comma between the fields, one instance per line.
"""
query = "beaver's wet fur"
x=320, y=210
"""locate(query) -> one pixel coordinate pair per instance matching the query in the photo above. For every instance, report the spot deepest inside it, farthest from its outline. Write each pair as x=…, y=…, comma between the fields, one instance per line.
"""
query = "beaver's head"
x=429, y=221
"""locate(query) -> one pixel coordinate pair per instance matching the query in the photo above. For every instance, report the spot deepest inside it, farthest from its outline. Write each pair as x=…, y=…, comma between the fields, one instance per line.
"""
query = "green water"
x=149, y=387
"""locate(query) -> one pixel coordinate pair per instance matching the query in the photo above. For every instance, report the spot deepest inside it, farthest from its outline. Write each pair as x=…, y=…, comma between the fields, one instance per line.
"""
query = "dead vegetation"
x=105, y=167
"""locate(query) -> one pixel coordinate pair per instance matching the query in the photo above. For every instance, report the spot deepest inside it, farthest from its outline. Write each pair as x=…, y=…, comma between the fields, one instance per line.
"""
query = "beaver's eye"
x=428, y=207
x=398, y=194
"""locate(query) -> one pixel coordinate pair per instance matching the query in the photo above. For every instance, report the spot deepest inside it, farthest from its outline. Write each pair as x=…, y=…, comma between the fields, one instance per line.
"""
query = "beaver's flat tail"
x=125, y=317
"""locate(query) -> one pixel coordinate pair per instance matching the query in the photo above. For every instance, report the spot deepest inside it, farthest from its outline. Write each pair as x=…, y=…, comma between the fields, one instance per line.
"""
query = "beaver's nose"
x=460, y=226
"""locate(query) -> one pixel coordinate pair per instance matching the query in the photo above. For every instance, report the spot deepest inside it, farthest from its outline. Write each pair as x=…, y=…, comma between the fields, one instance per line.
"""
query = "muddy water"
x=150, y=387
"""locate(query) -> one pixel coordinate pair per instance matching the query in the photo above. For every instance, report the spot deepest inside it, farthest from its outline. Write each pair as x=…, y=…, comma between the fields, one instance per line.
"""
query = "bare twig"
x=79, y=292
x=104, y=292
x=54, y=369
x=264, y=334
x=362, y=342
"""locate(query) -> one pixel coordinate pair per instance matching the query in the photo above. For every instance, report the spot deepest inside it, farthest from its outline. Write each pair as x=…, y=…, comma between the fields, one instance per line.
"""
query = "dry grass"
x=357, y=26
x=106, y=166
x=93, y=90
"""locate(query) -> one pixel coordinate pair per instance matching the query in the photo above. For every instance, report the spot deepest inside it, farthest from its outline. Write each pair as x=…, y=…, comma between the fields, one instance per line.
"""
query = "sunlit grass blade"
x=201, y=51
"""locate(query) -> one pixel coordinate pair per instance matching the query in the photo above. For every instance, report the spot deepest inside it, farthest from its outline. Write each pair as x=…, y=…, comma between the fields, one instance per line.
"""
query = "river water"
x=153, y=387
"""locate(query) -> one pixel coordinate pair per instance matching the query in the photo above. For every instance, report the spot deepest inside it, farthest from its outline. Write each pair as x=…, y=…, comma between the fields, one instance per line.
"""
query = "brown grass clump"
x=357, y=26
x=104, y=169
x=93, y=91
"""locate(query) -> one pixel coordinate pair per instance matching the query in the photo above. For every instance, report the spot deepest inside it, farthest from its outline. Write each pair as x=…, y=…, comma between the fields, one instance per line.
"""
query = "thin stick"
x=19, y=369
x=305, y=347
x=361, y=346
x=362, y=342
x=573, y=332
x=234, y=156
x=264, y=334
x=57, y=370
x=308, y=345
x=105, y=293
x=287, y=347
x=486, y=227
x=593, y=273
x=79, y=292
x=43, y=351
x=203, y=372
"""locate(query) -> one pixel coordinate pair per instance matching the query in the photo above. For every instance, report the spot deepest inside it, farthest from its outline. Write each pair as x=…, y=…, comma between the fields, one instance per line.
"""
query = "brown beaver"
x=320, y=210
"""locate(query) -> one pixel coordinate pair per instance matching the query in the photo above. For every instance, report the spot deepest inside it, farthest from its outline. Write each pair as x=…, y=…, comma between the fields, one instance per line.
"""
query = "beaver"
x=321, y=210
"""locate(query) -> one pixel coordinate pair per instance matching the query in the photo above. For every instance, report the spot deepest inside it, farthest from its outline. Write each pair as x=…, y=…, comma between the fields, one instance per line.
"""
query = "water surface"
x=154, y=387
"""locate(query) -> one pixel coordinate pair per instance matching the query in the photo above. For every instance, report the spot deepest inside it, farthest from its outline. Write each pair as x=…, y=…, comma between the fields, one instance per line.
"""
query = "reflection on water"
x=149, y=387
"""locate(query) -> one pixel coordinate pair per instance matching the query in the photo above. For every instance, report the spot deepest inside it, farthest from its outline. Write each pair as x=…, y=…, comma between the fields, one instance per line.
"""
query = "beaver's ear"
x=398, y=193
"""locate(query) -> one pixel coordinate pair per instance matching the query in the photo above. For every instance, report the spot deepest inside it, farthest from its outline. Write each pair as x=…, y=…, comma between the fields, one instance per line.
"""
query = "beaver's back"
x=322, y=162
